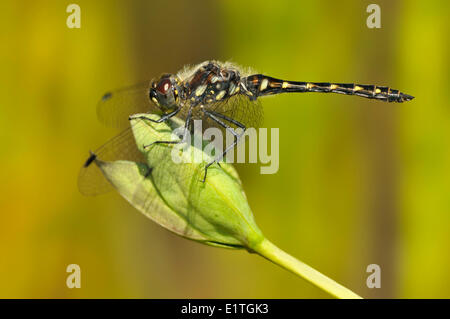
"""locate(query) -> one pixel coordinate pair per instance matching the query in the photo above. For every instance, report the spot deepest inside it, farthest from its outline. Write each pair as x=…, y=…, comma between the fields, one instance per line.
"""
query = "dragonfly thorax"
x=165, y=92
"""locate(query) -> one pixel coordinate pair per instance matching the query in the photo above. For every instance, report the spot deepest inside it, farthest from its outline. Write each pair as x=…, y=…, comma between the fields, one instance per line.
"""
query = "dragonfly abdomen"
x=259, y=85
x=383, y=93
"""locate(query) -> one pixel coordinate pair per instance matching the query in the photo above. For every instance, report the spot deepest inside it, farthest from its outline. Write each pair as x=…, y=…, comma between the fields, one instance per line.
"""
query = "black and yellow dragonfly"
x=220, y=94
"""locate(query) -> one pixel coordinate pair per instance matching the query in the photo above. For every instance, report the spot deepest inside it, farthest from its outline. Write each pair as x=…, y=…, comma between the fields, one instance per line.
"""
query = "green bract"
x=215, y=212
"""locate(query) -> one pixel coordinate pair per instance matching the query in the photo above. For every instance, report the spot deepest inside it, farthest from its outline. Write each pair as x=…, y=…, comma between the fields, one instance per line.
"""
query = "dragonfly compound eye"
x=164, y=94
x=164, y=86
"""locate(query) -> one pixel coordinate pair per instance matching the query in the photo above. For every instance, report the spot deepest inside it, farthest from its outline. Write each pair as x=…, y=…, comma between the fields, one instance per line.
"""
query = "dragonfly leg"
x=217, y=117
x=163, y=118
x=185, y=130
x=226, y=118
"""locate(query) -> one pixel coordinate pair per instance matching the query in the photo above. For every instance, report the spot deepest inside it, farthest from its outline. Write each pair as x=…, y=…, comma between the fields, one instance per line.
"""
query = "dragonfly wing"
x=121, y=147
x=116, y=106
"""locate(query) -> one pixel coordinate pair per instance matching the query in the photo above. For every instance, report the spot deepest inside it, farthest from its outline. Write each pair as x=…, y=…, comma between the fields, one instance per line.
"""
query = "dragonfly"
x=220, y=94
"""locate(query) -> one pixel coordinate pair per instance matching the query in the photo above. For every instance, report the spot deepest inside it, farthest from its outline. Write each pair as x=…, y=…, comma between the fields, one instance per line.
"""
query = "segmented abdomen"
x=383, y=93
x=259, y=84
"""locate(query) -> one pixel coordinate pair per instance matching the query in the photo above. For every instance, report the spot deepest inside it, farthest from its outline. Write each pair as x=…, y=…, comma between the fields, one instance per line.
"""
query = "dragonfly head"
x=165, y=91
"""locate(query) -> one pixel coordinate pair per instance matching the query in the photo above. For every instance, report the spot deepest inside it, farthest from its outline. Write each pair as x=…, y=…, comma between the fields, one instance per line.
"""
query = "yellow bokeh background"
x=360, y=182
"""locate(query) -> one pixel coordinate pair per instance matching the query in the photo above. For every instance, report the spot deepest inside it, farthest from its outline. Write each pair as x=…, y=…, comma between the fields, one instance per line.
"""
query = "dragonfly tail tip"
x=407, y=97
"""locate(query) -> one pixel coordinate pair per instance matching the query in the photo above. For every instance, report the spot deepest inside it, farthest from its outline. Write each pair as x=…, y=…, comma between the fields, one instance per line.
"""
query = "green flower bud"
x=215, y=212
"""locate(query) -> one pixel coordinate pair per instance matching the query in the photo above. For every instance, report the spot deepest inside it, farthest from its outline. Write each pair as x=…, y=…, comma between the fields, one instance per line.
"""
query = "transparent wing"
x=239, y=108
x=121, y=147
x=116, y=106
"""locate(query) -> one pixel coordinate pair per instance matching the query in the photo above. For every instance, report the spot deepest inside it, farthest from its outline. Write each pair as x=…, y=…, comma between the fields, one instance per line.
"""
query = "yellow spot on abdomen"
x=285, y=85
x=263, y=85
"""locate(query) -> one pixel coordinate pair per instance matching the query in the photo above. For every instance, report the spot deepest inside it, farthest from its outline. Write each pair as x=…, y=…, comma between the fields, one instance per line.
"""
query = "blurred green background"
x=360, y=182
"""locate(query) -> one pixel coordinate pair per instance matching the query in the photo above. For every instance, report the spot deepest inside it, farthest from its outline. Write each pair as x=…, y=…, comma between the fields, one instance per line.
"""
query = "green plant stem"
x=271, y=252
